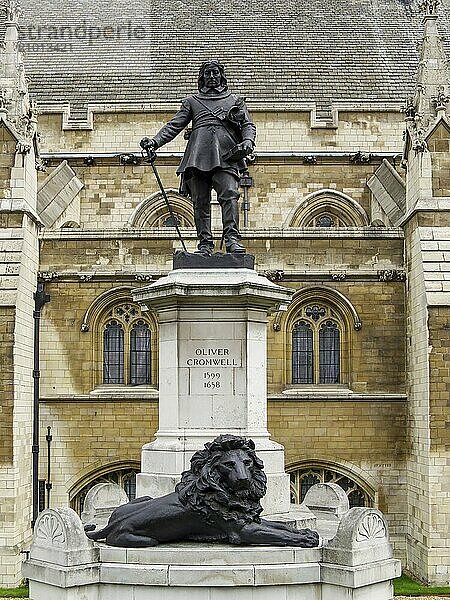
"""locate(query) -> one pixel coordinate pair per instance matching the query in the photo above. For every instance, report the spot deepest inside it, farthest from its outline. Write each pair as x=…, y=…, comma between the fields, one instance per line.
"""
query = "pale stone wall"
x=279, y=130
x=439, y=146
x=112, y=192
x=15, y=476
x=367, y=438
x=7, y=144
x=18, y=276
x=418, y=394
x=89, y=436
x=439, y=339
x=7, y=316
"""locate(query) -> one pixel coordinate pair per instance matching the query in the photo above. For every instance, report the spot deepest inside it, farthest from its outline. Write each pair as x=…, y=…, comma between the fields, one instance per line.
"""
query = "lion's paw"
x=309, y=538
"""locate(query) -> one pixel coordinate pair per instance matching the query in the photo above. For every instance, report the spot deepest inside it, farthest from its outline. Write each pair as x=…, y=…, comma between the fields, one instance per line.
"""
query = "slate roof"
x=273, y=49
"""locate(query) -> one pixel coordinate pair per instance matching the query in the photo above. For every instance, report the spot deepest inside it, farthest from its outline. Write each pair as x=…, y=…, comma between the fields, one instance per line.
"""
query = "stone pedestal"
x=356, y=565
x=212, y=372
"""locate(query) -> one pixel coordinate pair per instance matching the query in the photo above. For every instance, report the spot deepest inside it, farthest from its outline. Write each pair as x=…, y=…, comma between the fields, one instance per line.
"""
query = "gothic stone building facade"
x=350, y=206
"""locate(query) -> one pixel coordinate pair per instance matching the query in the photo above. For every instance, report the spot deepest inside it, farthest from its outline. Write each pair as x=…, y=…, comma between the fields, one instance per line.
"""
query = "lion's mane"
x=200, y=488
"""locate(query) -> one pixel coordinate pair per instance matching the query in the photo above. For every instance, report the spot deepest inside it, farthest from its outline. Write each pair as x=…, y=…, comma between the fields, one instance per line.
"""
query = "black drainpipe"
x=49, y=485
x=40, y=298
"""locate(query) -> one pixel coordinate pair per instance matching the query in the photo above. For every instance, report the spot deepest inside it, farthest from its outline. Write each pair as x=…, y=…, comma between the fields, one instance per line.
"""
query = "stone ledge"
x=209, y=554
x=310, y=396
x=250, y=568
x=248, y=234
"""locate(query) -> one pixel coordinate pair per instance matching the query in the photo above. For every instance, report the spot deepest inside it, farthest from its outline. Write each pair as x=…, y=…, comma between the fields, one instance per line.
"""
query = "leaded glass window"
x=329, y=351
x=304, y=478
x=316, y=346
x=113, y=353
x=140, y=348
x=171, y=221
x=302, y=353
x=127, y=346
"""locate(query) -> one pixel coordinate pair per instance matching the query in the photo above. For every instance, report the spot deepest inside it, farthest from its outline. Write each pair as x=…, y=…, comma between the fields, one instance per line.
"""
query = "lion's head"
x=225, y=482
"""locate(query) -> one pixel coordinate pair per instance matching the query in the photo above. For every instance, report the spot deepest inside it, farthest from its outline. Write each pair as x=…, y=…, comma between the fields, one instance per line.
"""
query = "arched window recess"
x=307, y=473
x=124, y=341
x=329, y=296
x=153, y=211
x=318, y=338
x=327, y=208
x=122, y=473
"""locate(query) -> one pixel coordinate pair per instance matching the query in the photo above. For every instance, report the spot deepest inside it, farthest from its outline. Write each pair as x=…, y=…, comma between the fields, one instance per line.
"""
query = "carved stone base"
x=356, y=565
x=186, y=260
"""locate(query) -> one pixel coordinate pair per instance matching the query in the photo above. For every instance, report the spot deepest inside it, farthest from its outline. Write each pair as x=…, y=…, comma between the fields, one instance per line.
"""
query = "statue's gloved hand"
x=248, y=146
x=149, y=147
x=147, y=144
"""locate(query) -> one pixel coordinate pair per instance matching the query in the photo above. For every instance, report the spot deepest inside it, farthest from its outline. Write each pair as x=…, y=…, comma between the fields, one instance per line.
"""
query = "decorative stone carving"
x=362, y=537
x=49, y=530
x=47, y=275
x=315, y=312
x=143, y=277
x=391, y=275
x=86, y=276
x=130, y=159
x=59, y=538
x=429, y=7
x=361, y=158
x=441, y=100
x=13, y=12
x=41, y=165
x=418, y=141
x=3, y=100
x=274, y=275
x=371, y=527
x=338, y=276
x=409, y=110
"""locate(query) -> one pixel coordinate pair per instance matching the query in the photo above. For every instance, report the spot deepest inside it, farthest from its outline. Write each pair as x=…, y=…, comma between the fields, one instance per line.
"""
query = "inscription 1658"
x=211, y=381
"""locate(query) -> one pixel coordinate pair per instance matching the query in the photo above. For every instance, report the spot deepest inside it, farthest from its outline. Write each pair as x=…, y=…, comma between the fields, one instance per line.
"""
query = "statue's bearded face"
x=212, y=76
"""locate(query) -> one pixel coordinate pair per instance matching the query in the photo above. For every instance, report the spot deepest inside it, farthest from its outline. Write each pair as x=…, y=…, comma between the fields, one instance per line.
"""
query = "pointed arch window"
x=127, y=347
x=140, y=353
x=316, y=346
x=125, y=477
x=302, y=479
x=113, y=353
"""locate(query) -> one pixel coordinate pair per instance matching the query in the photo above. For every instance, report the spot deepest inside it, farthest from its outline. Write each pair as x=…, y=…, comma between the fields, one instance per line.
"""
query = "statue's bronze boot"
x=234, y=247
x=205, y=250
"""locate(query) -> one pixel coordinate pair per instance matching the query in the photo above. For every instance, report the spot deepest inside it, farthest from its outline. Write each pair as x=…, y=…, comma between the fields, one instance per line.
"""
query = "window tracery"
x=328, y=208
x=127, y=346
x=305, y=477
x=316, y=346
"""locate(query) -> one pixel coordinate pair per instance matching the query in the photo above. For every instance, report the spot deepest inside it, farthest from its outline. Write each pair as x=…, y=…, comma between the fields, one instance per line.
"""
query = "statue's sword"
x=151, y=157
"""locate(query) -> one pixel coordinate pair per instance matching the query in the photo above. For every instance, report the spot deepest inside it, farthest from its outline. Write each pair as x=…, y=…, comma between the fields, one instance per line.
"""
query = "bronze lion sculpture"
x=217, y=500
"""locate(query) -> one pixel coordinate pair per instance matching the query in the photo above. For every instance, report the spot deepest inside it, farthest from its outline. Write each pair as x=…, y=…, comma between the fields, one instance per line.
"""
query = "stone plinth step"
x=298, y=516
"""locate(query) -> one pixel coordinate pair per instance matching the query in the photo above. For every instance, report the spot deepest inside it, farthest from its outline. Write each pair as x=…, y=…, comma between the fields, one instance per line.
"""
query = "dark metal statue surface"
x=217, y=500
x=222, y=135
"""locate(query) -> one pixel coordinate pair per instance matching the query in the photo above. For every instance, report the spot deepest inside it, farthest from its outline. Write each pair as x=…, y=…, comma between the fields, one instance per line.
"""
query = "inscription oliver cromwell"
x=211, y=365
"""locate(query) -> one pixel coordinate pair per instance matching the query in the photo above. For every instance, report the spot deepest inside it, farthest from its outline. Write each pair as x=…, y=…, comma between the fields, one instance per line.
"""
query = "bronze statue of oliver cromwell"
x=222, y=135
